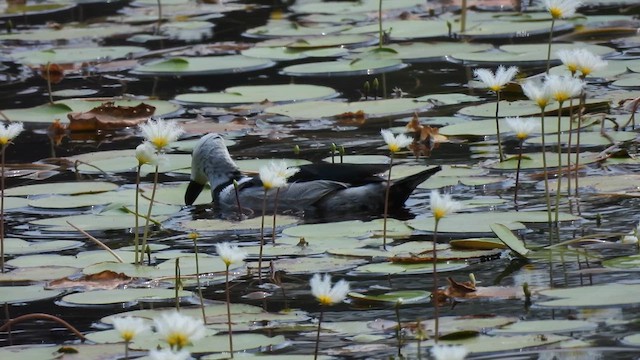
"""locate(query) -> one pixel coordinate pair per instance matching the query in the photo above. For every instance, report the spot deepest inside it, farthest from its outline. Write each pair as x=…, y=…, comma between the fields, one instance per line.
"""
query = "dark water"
x=618, y=215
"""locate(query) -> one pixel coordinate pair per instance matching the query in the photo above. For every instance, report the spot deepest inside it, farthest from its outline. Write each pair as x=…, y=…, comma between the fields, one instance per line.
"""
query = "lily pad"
x=74, y=55
x=522, y=108
x=393, y=297
x=535, y=161
x=406, y=29
x=205, y=65
x=328, y=109
x=21, y=294
x=587, y=138
x=48, y=113
x=494, y=344
x=312, y=265
x=609, y=295
x=252, y=224
x=90, y=222
x=366, y=66
x=507, y=237
x=259, y=93
x=381, y=269
x=546, y=327
x=15, y=246
x=67, y=188
x=38, y=273
x=127, y=296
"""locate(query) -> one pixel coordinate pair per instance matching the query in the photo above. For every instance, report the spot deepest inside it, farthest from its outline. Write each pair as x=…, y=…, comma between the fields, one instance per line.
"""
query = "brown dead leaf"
x=109, y=116
x=52, y=72
x=357, y=117
x=459, y=289
x=104, y=280
x=202, y=125
x=426, y=138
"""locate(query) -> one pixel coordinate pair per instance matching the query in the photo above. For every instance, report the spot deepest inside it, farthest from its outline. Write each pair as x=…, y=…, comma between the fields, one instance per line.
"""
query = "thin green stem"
x=386, y=205
x=553, y=21
x=195, y=250
x=515, y=194
x=498, y=127
x=398, y=329
x=145, y=235
x=380, y=34
x=559, y=179
x=126, y=350
x=569, y=142
x=435, y=284
x=315, y=352
x=582, y=101
x=546, y=177
x=275, y=212
x=229, y=312
x=136, y=236
x=264, y=210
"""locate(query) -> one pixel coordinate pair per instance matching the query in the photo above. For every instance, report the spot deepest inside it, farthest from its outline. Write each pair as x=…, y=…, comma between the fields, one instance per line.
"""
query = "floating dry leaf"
x=110, y=116
x=103, y=280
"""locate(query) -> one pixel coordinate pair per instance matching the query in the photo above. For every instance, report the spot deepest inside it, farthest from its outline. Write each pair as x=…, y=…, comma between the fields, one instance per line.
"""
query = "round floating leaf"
x=631, y=340
x=53, y=352
x=68, y=33
x=355, y=67
x=14, y=202
x=216, y=343
x=488, y=127
x=48, y=113
x=68, y=188
x=407, y=29
x=228, y=225
x=524, y=53
x=465, y=223
x=381, y=269
x=340, y=7
x=20, y=294
x=205, y=65
x=283, y=28
x=327, y=109
x=631, y=262
x=359, y=159
x=38, y=273
x=347, y=229
x=74, y=55
x=90, y=222
x=393, y=297
x=495, y=344
x=119, y=296
x=522, y=108
x=315, y=265
x=125, y=161
x=259, y=93
x=14, y=246
x=587, y=138
x=426, y=51
x=609, y=295
x=546, y=327
x=510, y=29
x=512, y=241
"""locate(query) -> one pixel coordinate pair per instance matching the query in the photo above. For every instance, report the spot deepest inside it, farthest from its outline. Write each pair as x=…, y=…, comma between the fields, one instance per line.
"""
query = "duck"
x=317, y=189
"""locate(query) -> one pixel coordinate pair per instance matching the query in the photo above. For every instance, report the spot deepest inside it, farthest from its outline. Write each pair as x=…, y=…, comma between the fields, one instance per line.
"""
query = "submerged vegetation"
x=529, y=110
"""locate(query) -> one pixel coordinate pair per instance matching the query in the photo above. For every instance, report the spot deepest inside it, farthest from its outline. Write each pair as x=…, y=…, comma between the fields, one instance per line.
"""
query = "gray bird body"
x=317, y=189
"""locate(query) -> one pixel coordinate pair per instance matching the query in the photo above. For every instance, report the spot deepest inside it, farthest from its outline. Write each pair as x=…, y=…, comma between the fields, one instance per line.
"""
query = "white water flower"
x=538, y=93
x=589, y=62
x=443, y=205
x=178, y=330
x=563, y=88
x=161, y=133
x=497, y=81
x=395, y=143
x=282, y=169
x=561, y=9
x=10, y=132
x=168, y=354
x=449, y=352
x=570, y=59
x=129, y=327
x=523, y=127
x=146, y=154
x=275, y=175
x=327, y=295
x=230, y=254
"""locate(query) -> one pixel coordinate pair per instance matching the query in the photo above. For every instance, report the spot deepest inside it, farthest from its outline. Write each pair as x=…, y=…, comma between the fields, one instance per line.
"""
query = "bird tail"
x=401, y=189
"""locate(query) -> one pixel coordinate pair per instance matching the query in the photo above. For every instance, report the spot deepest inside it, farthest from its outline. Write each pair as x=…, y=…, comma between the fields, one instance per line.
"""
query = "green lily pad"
x=90, y=222
x=125, y=161
x=512, y=241
x=312, y=265
x=631, y=263
x=252, y=224
x=259, y=93
x=126, y=296
x=524, y=53
x=68, y=33
x=340, y=7
x=284, y=28
x=215, y=343
x=205, y=65
x=406, y=29
x=52, y=352
x=67, y=188
x=48, y=113
x=366, y=66
x=20, y=294
x=393, y=297
x=15, y=246
x=609, y=295
x=425, y=51
x=494, y=344
x=73, y=55
x=380, y=269
x=348, y=229
x=37, y=273
x=488, y=127
x=523, y=108
x=587, y=138
x=327, y=109
x=535, y=161
x=546, y=327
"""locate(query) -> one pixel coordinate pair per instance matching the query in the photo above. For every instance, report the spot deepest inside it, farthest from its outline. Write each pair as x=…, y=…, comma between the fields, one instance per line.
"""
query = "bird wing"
x=354, y=174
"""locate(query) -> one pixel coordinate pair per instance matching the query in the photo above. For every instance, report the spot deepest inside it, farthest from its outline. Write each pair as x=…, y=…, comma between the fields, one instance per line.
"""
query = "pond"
x=311, y=81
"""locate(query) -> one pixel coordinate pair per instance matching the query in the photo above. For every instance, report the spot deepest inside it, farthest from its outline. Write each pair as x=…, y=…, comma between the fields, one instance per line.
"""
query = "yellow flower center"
x=177, y=340
x=496, y=88
x=439, y=213
x=561, y=96
x=4, y=140
x=585, y=70
x=572, y=68
x=127, y=335
x=325, y=300
x=521, y=136
x=555, y=12
x=394, y=148
x=159, y=142
x=542, y=103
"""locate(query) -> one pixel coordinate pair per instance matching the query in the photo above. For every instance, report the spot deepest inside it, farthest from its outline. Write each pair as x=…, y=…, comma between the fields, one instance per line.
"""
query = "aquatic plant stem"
x=315, y=352
x=386, y=204
x=194, y=236
x=569, y=142
x=500, y=154
x=434, y=294
x=398, y=328
x=264, y=210
x=380, y=34
x=463, y=16
x=157, y=29
x=97, y=242
x=145, y=235
x=136, y=237
x=275, y=211
x=230, y=331
x=545, y=173
x=515, y=194
x=126, y=350
x=41, y=316
x=559, y=179
x=4, y=147
x=49, y=87
x=553, y=21
x=580, y=107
